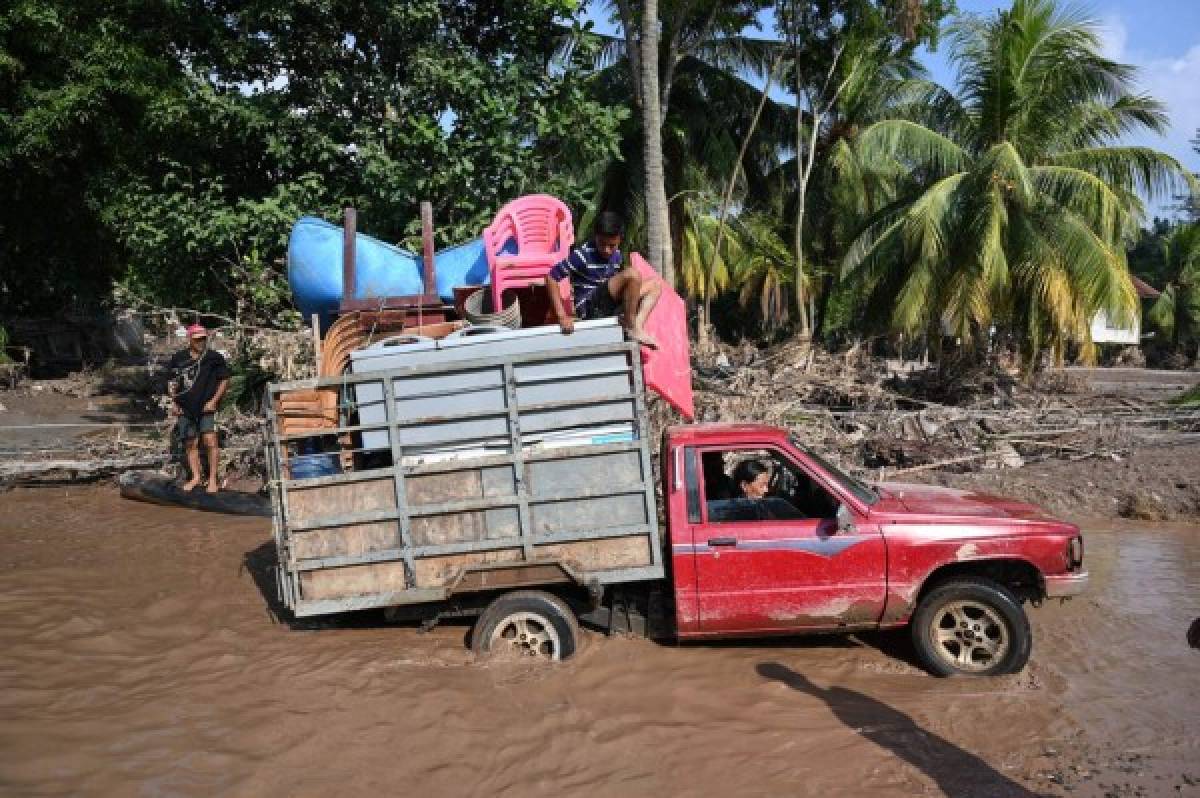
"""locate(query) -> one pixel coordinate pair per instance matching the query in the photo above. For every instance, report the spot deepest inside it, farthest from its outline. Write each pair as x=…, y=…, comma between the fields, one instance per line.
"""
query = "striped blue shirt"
x=587, y=271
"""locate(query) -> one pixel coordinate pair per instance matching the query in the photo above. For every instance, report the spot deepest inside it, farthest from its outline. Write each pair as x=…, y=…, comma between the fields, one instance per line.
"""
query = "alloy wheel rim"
x=969, y=636
x=526, y=635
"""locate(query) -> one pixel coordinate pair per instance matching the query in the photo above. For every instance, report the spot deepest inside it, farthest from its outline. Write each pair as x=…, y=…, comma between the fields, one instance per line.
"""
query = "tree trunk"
x=737, y=165
x=822, y=311
x=802, y=174
x=658, y=224
x=703, y=321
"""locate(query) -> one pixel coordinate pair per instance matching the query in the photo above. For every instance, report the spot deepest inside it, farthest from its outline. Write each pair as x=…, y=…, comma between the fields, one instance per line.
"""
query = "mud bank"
x=1153, y=483
x=139, y=655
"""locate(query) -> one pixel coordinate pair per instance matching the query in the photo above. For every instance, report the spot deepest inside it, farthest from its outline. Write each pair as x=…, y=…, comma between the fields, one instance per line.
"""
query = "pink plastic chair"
x=668, y=369
x=539, y=226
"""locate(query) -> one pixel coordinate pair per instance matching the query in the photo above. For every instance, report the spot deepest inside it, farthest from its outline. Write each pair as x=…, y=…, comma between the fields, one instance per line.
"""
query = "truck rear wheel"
x=526, y=624
x=971, y=627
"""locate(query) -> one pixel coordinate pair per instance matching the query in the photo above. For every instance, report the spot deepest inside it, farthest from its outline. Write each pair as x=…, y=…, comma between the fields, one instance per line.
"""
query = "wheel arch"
x=1020, y=576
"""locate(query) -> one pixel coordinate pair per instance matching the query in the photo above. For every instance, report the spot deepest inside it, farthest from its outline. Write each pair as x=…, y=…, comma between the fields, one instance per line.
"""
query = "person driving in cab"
x=752, y=479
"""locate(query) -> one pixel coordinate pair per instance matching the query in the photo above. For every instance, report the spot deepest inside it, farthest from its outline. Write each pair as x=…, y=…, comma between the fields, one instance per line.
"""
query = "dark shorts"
x=187, y=427
x=600, y=305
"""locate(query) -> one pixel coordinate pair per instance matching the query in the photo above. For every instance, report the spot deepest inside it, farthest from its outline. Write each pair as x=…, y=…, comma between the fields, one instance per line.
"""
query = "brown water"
x=138, y=656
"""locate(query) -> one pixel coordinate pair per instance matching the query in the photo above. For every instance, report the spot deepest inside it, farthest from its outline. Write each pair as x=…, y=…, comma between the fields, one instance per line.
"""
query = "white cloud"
x=1172, y=79
x=1176, y=82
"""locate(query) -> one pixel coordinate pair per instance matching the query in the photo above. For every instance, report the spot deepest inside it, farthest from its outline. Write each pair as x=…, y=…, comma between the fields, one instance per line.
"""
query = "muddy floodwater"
x=139, y=656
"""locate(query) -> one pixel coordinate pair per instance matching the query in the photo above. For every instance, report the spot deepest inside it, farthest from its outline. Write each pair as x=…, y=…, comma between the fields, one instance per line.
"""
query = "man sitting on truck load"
x=601, y=287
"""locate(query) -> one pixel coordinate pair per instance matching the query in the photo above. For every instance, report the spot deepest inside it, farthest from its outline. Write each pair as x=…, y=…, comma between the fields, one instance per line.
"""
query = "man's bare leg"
x=191, y=450
x=212, y=448
x=629, y=288
x=651, y=291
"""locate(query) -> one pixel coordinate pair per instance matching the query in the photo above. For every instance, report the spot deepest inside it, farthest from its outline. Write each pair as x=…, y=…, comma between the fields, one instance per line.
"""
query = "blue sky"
x=1160, y=37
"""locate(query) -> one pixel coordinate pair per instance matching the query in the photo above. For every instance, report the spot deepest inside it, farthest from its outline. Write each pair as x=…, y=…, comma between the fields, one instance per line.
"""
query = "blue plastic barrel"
x=306, y=466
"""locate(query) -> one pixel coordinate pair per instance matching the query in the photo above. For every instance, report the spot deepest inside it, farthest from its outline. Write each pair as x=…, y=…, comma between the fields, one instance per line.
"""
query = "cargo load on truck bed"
x=506, y=459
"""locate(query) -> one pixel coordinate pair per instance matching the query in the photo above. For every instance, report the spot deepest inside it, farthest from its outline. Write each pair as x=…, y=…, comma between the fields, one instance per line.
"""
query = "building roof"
x=1144, y=289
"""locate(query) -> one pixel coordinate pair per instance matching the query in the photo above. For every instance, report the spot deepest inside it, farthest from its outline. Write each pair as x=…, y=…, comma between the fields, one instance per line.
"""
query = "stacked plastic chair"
x=528, y=236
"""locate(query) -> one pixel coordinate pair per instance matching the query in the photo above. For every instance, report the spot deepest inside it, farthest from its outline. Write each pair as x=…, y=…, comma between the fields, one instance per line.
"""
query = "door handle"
x=722, y=541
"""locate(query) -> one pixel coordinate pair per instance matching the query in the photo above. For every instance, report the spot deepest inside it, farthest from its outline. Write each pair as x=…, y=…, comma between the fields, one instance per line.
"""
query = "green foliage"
x=1018, y=208
x=76, y=81
x=1177, y=311
x=1189, y=398
x=174, y=156
x=247, y=384
x=765, y=270
x=4, y=356
x=1145, y=257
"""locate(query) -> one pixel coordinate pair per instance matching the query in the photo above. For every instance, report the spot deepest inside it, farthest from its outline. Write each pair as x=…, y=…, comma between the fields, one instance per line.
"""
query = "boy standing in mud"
x=199, y=379
x=601, y=287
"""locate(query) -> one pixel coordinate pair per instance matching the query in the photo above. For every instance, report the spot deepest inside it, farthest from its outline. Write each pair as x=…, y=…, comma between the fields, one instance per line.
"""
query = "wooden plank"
x=427, y=248
x=349, y=267
x=440, y=571
x=354, y=580
x=307, y=504
x=599, y=555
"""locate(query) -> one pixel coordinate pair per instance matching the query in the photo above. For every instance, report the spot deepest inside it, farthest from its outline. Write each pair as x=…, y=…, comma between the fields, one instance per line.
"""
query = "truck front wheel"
x=971, y=627
x=526, y=624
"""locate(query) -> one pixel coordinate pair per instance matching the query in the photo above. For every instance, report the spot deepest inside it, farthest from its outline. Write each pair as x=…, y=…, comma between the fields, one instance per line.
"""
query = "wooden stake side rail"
x=416, y=530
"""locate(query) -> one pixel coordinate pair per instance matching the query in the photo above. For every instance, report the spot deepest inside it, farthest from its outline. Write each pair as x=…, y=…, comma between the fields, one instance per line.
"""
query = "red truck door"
x=779, y=562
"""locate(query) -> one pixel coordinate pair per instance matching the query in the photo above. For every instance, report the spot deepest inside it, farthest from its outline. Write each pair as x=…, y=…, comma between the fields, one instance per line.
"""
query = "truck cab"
x=820, y=551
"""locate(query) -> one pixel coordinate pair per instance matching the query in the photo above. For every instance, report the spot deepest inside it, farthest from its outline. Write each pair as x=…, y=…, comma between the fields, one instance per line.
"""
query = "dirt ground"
x=1153, y=483
x=139, y=655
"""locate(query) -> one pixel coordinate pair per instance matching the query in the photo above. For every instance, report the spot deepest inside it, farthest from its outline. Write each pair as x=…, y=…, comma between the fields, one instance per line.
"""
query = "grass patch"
x=1189, y=398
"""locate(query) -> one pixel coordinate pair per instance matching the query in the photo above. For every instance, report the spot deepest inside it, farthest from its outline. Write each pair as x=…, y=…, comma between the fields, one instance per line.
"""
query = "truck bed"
x=510, y=470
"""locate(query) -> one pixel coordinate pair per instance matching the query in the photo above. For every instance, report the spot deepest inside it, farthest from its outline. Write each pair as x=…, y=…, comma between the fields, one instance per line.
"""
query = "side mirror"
x=845, y=520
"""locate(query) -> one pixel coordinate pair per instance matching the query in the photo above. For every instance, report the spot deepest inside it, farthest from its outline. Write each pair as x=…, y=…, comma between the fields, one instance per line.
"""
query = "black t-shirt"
x=196, y=379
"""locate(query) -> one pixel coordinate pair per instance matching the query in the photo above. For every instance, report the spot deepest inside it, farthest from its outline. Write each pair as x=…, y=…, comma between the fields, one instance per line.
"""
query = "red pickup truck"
x=823, y=552
x=519, y=488
x=826, y=552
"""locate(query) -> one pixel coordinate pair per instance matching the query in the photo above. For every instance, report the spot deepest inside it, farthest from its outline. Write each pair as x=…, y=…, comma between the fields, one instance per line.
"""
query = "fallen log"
x=939, y=464
x=157, y=489
x=79, y=469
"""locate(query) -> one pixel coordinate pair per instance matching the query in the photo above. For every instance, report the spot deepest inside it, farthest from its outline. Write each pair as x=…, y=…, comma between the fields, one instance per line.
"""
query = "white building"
x=1106, y=331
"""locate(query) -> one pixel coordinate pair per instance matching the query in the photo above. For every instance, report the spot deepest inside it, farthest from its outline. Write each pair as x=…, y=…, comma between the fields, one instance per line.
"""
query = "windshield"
x=861, y=490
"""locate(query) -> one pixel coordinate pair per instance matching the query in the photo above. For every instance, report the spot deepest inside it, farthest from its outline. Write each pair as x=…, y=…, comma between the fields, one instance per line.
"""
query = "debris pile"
x=884, y=417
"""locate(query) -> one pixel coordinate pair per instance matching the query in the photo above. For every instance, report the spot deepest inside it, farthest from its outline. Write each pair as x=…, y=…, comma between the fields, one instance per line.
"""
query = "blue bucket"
x=306, y=466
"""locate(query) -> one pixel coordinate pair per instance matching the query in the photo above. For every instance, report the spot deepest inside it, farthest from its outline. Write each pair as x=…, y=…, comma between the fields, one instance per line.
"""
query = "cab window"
x=760, y=485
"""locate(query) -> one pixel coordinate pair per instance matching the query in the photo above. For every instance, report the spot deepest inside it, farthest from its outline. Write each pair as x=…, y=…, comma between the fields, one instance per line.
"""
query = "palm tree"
x=700, y=52
x=706, y=256
x=1177, y=311
x=880, y=80
x=765, y=269
x=1019, y=202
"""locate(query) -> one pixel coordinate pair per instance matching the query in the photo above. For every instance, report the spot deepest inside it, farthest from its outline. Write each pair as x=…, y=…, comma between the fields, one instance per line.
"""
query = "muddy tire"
x=526, y=624
x=971, y=627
